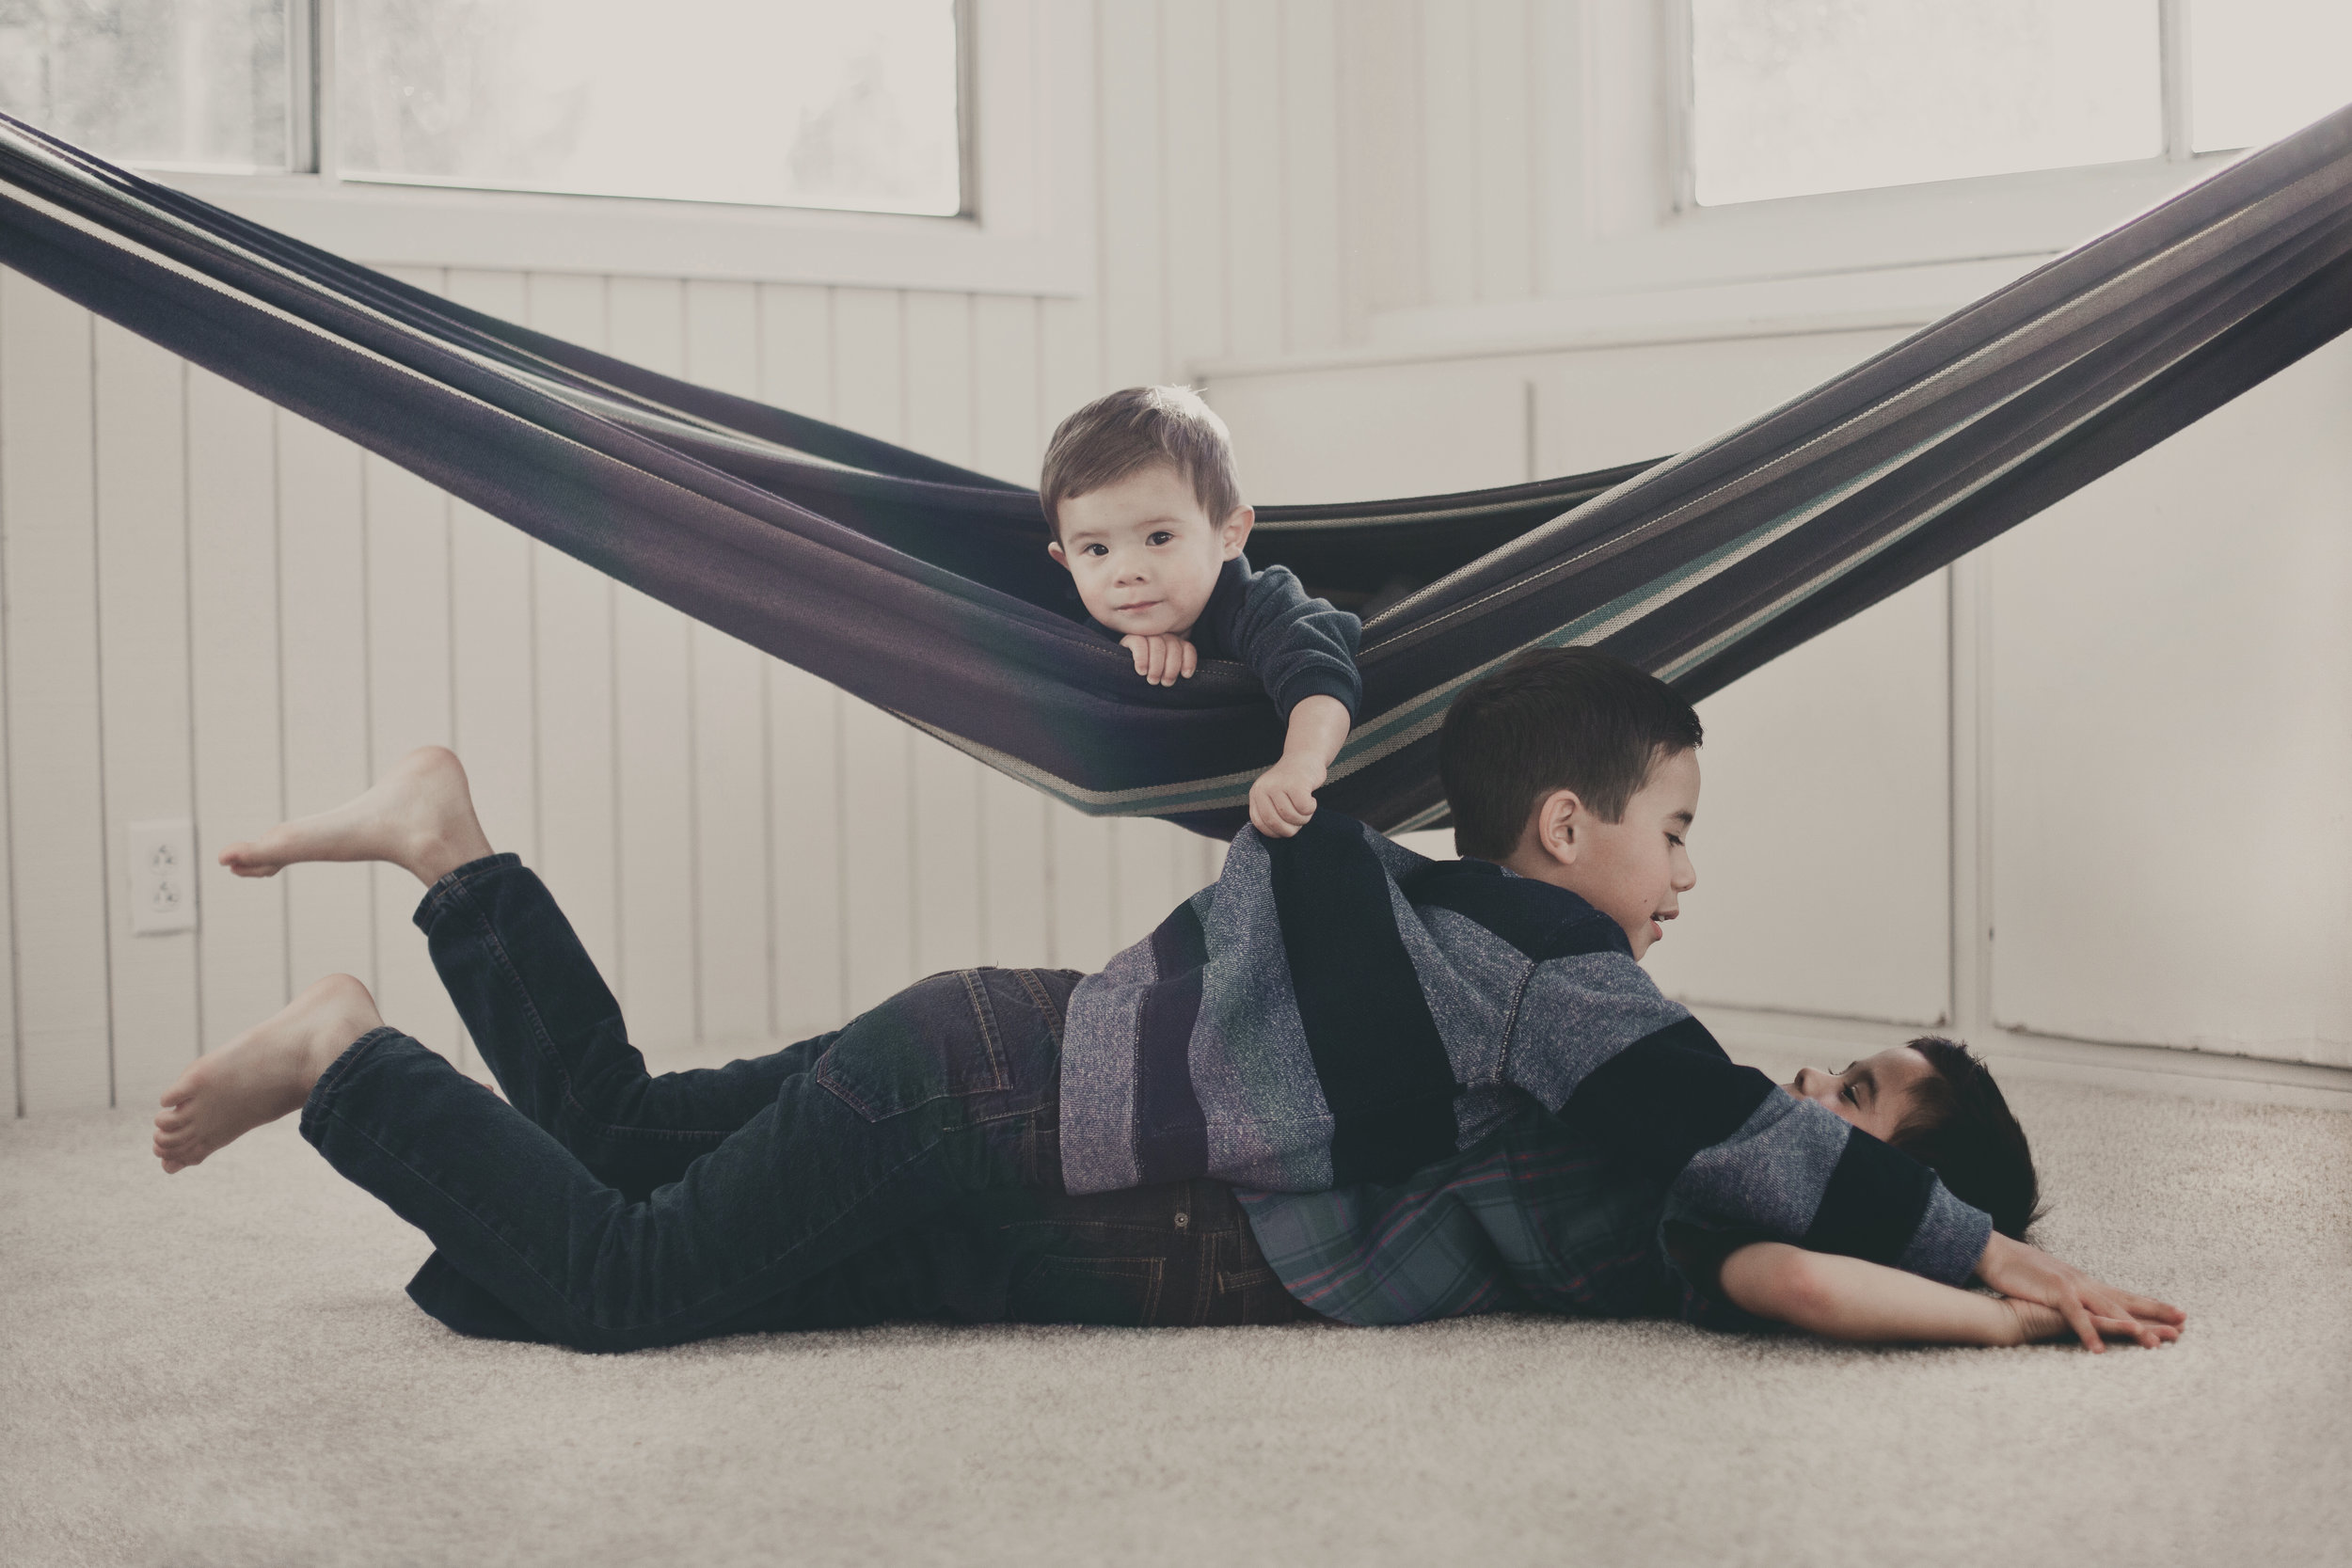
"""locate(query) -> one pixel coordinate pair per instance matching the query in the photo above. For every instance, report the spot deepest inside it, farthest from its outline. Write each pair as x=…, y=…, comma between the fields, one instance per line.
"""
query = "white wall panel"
x=1192, y=162
x=1077, y=849
x=410, y=692
x=143, y=691
x=653, y=737
x=2171, y=681
x=1309, y=244
x=804, y=722
x=1501, y=67
x=879, y=872
x=1252, y=177
x=55, y=785
x=1006, y=440
x=1823, y=844
x=1392, y=430
x=1008, y=338
x=577, y=767
x=1449, y=87
x=731, y=856
x=1133, y=253
x=322, y=674
x=493, y=640
x=944, y=833
x=235, y=701
x=1604, y=407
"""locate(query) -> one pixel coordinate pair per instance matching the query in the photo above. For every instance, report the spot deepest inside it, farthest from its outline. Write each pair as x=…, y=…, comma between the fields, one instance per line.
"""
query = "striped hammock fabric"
x=923, y=588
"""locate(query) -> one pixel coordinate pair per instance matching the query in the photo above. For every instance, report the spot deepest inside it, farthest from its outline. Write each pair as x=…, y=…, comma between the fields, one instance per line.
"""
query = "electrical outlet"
x=163, y=877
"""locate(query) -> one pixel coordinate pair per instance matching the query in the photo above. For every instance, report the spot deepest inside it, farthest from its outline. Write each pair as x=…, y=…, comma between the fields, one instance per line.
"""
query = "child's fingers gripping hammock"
x=925, y=588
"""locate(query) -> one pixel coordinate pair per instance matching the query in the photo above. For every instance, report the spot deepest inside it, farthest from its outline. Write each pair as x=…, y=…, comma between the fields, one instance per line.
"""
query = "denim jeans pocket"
x=1117, y=1293
x=937, y=1039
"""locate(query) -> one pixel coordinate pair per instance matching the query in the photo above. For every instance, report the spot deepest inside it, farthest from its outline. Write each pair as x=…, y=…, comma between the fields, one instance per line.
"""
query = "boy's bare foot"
x=419, y=816
x=262, y=1074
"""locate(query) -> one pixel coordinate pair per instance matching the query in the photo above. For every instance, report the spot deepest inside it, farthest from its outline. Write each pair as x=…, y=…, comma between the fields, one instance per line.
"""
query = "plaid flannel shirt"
x=1529, y=1219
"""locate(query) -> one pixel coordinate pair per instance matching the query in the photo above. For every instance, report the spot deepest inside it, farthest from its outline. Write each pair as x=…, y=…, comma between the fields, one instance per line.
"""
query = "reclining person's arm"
x=1847, y=1298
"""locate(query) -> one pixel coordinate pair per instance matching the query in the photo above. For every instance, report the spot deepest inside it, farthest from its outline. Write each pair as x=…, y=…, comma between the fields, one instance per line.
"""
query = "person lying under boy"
x=1143, y=506
x=901, y=1165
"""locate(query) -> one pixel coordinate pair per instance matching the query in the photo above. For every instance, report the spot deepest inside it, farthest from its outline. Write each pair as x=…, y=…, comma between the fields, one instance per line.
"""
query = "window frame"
x=1622, y=256
x=1027, y=69
x=2031, y=214
x=2174, y=112
x=1625, y=220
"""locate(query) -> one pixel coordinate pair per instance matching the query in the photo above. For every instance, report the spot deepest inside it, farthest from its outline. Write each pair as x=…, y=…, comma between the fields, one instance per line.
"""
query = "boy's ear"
x=1558, y=816
x=1236, y=529
x=1053, y=548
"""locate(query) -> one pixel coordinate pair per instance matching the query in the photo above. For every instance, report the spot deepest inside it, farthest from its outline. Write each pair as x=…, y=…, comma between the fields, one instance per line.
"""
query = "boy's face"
x=1874, y=1093
x=1144, y=553
x=1633, y=871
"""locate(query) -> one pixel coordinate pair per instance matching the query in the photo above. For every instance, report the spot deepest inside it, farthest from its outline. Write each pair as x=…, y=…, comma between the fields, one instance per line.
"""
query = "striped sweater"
x=1336, y=1009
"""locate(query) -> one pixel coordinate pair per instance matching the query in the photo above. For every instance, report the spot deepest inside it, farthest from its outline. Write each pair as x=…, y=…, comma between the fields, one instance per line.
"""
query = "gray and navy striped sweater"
x=1337, y=1009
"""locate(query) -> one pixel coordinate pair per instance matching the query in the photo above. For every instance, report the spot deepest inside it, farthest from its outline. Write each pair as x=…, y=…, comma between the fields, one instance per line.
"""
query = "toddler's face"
x=1144, y=553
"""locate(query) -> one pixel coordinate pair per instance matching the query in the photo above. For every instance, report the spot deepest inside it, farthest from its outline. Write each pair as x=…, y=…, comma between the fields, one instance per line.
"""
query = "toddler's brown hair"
x=1120, y=433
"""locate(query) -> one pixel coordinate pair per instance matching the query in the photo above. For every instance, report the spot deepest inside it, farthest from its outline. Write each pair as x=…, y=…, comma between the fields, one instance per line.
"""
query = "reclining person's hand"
x=1162, y=659
x=2090, y=1308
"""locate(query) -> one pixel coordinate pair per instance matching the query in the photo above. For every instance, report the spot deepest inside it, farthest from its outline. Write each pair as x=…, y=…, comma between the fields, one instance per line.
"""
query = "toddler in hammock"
x=1145, y=512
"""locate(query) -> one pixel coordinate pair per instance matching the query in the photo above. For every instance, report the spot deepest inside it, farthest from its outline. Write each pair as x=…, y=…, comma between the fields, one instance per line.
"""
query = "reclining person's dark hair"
x=1554, y=719
x=1959, y=1127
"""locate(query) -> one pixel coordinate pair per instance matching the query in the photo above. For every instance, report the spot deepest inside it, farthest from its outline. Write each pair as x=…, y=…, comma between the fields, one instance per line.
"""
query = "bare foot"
x=419, y=816
x=262, y=1074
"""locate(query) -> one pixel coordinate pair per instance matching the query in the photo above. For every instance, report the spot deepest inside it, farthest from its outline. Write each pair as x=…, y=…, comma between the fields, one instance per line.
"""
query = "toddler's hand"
x=1161, y=657
x=1284, y=795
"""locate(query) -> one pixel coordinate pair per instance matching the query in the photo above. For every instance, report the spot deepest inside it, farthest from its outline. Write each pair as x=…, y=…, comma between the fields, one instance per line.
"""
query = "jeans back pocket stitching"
x=1039, y=994
x=984, y=1013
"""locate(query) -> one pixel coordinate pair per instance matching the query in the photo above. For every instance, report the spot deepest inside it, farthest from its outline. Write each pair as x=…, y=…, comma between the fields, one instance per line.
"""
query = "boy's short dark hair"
x=1117, y=433
x=1554, y=719
x=1961, y=1128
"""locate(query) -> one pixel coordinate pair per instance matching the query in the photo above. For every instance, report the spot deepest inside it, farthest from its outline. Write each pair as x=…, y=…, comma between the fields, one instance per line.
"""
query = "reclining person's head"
x=1937, y=1102
x=1575, y=769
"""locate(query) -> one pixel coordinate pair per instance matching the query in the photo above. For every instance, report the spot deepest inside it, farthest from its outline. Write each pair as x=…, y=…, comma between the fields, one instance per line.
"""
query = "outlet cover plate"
x=163, y=877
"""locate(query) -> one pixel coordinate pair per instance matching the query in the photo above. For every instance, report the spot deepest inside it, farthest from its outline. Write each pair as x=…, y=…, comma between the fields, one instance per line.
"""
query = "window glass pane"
x=190, y=83
x=2259, y=68
x=792, y=102
x=1793, y=97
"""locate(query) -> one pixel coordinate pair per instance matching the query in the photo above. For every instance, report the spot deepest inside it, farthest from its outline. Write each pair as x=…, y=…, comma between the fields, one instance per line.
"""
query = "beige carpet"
x=220, y=1368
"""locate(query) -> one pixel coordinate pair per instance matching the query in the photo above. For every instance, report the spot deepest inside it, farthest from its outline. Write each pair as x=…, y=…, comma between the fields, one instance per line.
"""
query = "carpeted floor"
x=220, y=1368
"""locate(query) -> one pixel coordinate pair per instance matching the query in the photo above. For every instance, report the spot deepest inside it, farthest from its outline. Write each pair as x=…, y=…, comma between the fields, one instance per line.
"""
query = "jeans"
x=904, y=1165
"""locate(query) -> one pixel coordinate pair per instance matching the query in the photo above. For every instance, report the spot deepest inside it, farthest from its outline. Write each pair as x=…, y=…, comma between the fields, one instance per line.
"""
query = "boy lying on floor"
x=1448, y=1085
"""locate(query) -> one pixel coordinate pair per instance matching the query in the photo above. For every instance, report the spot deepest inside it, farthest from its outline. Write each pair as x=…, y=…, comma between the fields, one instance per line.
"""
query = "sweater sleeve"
x=1735, y=1151
x=1297, y=646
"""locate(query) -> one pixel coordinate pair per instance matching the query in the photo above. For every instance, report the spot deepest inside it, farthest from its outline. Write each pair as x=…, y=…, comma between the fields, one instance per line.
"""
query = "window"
x=777, y=102
x=175, y=84
x=764, y=102
x=1803, y=97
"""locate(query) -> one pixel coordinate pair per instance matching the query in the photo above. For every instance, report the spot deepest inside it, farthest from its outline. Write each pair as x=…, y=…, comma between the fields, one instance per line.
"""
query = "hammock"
x=923, y=588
